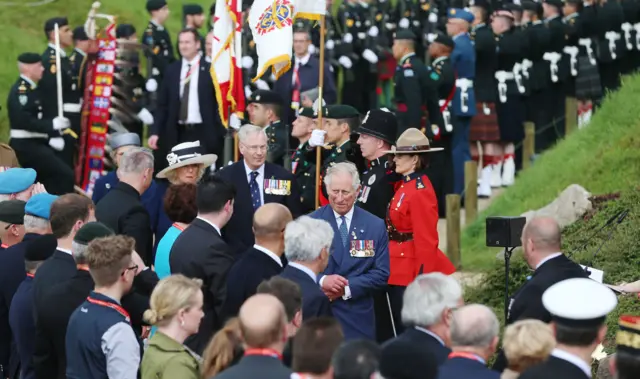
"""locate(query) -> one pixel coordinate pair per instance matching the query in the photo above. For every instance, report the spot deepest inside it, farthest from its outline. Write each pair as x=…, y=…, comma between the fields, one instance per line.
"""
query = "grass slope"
x=21, y=29
x=603, y=158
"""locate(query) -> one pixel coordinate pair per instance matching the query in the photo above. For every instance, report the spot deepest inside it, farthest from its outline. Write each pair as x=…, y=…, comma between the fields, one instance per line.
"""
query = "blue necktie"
x=255, y=191
x=344, y=233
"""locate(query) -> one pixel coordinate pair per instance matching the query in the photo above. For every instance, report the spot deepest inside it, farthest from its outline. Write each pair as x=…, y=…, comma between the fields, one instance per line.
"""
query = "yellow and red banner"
x=226, y=72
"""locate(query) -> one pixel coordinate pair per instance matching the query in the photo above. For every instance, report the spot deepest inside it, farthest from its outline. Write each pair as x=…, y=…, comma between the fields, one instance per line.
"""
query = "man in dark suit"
x=260, y=262
x=542, y=250
x=187, y=107
x=428, y=303
x=359, y=262
x=121, y=208
x=263, y=322
x=307, y=246
x=200, y=252
x=257, y=183
x=474, y=335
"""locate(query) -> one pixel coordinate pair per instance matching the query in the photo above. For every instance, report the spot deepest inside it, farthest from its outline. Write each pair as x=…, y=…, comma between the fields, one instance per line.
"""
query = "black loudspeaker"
x=505, y=231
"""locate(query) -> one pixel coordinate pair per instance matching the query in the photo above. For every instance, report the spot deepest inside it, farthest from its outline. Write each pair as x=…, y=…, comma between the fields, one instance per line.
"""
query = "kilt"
x=588, y=86
x=511, y=117
x=484, y=128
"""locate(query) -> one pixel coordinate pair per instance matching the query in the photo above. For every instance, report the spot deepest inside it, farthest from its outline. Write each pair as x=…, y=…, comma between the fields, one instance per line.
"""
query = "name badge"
x=277, y=187
x=362, y=249
x=364, y=194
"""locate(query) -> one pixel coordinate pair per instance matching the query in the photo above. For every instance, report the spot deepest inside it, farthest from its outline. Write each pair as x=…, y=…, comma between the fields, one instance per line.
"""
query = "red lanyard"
x=295, y=97
x=116, y=307
x=265, y=352
x=30, y=275
x=180, y=228
x=83, y=267
x=462, y=354
x=4, y=246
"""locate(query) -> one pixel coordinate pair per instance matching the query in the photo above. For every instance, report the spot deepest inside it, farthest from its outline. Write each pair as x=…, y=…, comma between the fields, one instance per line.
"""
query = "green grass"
x=21, y=29
x=603, y=158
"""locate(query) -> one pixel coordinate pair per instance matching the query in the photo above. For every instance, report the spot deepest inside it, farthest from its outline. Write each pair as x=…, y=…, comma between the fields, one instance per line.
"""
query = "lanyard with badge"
x=113, y=306
x=264, y=352
x=462, y=354
x=4, y=246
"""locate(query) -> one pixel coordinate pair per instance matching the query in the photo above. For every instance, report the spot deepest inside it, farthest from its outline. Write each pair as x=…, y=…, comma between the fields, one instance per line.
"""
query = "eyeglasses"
x=256, y=148
x=132, y=268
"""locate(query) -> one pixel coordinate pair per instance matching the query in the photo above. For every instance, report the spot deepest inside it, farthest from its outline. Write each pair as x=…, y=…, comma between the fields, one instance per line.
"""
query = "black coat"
x=239, y=230
x=167, y=115
x=314, y=302
x=245, y=276
x=121, y=210
x=554, y=368
x=257, y=366
x=420, y=341
x=200, y=252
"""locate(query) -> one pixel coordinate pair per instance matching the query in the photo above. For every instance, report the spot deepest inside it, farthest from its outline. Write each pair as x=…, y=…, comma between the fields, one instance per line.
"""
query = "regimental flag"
x=271, y=24
x=107, y=55
x=226, y=56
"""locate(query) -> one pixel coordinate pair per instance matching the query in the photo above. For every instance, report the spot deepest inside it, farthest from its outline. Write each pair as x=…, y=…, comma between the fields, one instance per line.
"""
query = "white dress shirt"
x=573, y=359
x=306, y=270
x=548, y=258
x=212, y=224
x=64, y=250
x=270, y=253
x=193, y=113
x=259, y=179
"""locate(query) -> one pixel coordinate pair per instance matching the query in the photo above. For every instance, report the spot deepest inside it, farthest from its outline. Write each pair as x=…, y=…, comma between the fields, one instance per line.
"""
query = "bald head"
x=474, y=325
x=262, y=321
x=270, y=220
x=543, y=233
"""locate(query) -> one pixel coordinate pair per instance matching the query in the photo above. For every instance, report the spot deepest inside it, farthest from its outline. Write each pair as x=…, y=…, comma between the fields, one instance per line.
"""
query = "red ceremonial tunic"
x=412, y=223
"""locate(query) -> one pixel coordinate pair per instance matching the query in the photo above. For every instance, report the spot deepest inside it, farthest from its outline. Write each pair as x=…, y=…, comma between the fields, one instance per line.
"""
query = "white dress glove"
x=261, y=84
x=152, y=85
x=317, y=138
x=433, y=18
x=61, y=123
x=348, y=38
x=373, y=31
x=329, y=45
x=247, y=62
x=390, y=26
x=234, y=121
x=57, y=143
x=431, y=37
x=404, y=23
x=370, y=56
x=145, y=116
x=345, y=62
x=247, y=91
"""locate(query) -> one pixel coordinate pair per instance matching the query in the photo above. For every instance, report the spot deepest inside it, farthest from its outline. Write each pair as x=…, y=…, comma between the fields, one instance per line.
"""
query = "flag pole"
x=320, y=115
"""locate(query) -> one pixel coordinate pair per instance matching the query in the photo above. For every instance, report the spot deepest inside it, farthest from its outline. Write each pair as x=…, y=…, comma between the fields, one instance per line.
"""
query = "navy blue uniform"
x=23, y=326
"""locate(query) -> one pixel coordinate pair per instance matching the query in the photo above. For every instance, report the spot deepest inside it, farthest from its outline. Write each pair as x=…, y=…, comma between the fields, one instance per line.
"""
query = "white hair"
x=79, y=251
x=33, y=223
x=248, y=129
x=427, y=297
x=474, y=325
x=343, y=168
x=305, y=237
x=136, y=160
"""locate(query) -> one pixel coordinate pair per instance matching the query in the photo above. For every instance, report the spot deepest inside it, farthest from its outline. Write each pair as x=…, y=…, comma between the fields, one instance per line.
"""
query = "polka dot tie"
x=344, y=233
x=255, y=191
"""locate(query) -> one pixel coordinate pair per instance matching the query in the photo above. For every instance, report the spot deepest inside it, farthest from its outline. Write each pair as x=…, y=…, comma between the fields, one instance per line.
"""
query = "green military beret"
x=12, y=211
x=340, y=111
x=192, y=9
x=90, y=231
x=307, y=112
x=405, y=34
x=29, y=58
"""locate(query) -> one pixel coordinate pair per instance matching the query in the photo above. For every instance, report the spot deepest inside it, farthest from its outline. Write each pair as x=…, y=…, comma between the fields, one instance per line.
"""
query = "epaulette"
x=350, y=22
x=419, y=183
x=22, y=88
x=426, y=6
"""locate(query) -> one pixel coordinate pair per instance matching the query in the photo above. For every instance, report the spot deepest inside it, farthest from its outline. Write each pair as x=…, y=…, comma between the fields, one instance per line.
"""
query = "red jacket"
x=414, y=209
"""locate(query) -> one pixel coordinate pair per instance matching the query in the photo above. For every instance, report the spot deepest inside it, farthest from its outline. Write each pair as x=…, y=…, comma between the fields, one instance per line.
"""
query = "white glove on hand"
x=345, y=62
x=61, y=123
x=317, y=138
x=57, y=143
x=145, y=116
x=373, y=31
x=348, y=38
x=370, y=56
x=234, y=121
x=404, y=23
x=433, y=18
x=431, y=37
x=261, y=84
x=247, y=62
x=312, y=49
x=390, y=26
x=329, y=45
x=152, y=85
x=247, y=91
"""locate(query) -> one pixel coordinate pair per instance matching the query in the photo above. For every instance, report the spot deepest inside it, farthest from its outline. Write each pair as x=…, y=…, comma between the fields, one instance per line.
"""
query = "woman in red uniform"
x=412, y=220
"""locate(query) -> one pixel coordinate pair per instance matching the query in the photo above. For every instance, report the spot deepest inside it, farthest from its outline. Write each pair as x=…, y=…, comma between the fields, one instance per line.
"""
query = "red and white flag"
x=226, y=52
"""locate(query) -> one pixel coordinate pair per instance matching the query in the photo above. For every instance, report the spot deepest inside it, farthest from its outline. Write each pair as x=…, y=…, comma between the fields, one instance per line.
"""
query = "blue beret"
x=40, y=205
x=16, y=180
x=461, y=14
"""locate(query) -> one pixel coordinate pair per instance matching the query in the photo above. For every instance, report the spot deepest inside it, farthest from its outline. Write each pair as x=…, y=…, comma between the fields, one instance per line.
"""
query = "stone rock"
x=572, y=204
x=603, y=369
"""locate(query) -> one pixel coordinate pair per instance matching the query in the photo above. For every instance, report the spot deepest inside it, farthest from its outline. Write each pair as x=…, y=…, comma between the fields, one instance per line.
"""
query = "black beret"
x=380, y=124
x=400, y=360
x=125, y=31
x=154, y=5
x=340, y=111
x=405, y=34
x=50, y=24
x=192, y=9
x=532, y=6
x=513, y=7
x=444, y=39
x=29, y=58
x=307, y=112
x=79, y=34
x=41, y=248
x=90, y=231
x=212, y=9
x=12, y=211
x=266, y=97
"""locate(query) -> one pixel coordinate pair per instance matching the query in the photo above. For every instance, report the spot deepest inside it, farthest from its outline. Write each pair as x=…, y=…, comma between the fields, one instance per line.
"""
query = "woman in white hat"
x=187, y=164
x=412, y=219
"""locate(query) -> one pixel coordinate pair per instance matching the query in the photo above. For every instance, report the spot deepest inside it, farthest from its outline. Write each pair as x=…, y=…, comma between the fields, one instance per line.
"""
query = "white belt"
x=506, y=75
x=21, y=134
x=72, y=108
x=446, y=116
x=464, y=83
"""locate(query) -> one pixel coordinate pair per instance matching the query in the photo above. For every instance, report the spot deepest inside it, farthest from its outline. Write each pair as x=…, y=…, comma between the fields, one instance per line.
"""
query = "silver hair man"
x=343, y=168
x=427, y=297
x=475, y=329
x=249, y=129
x=33, y=224
x=135, y=161
x=305, y=238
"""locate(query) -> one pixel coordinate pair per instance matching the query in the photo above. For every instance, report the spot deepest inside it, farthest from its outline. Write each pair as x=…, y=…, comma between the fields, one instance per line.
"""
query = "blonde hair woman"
x=176, y=310
x=526, y=343
x=224, y=350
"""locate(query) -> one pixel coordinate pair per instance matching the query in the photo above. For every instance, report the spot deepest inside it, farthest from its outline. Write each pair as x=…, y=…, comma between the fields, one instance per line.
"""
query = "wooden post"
x=571, y=115
x=320, y=94
x=529, y=145
x=470, y=191
x=453, y=229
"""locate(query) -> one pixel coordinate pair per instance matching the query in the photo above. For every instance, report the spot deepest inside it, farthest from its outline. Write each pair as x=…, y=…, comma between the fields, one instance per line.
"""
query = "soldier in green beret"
x=265, y=110
x=303, y=161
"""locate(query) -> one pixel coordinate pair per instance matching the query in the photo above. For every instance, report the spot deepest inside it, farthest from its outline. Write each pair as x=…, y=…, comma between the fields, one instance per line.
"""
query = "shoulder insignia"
x=156, y=50
x=350, y=22
x=53, y=69
x=419, y=183
x=408, y=73
x=434, y=75
x=22, y=87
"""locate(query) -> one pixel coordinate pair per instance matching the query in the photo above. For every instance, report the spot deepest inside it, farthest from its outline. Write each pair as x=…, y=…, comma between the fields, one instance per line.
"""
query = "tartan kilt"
x=588, y=84
x=484, y=128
